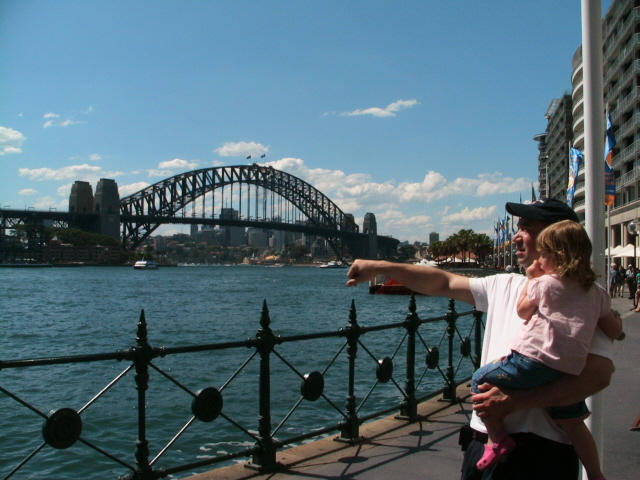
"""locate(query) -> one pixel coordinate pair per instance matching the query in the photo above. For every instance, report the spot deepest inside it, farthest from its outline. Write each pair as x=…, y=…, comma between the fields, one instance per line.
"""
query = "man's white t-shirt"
x=498, y=296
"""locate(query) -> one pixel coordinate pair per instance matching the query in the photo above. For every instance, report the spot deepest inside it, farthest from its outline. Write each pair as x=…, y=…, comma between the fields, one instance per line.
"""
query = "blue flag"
x=609, y=172
x=575, y=158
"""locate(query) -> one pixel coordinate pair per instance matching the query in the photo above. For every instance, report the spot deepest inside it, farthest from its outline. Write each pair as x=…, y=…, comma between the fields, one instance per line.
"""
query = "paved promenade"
x=428, y=450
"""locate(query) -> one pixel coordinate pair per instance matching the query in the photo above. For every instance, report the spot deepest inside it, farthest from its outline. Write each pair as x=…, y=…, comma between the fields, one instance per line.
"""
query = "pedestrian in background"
x=631, y=280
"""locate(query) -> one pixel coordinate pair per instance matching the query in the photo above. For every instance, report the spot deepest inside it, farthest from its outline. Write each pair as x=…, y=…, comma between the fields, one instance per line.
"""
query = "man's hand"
x=492, y=401
x=361, y=271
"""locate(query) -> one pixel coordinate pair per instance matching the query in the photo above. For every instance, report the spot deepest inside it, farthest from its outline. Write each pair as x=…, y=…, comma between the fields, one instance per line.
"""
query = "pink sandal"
x=493, y=453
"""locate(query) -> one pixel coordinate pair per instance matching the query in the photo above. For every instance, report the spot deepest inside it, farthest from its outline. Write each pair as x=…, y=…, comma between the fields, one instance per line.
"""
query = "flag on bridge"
x=609, y=172
x=575, y=158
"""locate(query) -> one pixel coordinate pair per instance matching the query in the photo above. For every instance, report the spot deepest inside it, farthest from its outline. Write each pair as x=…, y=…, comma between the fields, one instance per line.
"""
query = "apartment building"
x=553, y=148
x=621, y=62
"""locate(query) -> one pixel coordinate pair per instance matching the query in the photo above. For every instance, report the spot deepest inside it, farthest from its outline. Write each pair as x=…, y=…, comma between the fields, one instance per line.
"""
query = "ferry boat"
x=334, y=264
x=145, y=265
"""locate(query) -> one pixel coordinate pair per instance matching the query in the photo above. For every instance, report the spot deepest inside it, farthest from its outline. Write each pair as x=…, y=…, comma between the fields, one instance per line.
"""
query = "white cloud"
x=53, y=120
x=388, y=111
x=44, y=203
x=126, y=190
x=64, y=190
x=10, y=141
x=95, y=157
x=435, y=186
x=178, y=164
x=168, y=168
x=470, y=215
x=72, y=172
x=64, y=173
x=27, y=191
x=242, y=149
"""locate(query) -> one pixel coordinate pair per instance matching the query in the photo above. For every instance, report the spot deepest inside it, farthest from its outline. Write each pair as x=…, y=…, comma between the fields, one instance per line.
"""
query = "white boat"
x=145, y=265
x=334, y=264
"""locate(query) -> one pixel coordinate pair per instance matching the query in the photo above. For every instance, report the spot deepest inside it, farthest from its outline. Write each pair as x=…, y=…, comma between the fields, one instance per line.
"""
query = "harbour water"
x=72, y=311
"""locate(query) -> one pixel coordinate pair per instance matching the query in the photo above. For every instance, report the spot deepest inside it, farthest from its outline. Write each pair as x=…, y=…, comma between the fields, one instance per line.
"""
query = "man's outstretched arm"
x=569, y=389
x=419, y=278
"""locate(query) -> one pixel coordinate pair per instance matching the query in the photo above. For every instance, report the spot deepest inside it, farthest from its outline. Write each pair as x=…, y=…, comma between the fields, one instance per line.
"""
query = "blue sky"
x=422, y=112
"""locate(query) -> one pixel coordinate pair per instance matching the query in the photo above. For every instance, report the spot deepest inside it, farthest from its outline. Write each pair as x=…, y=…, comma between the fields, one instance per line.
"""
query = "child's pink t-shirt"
x=559, y=333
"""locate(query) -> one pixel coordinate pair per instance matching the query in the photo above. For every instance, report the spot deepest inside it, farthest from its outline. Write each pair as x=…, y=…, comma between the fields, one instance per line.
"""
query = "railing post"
x=478, y=338
x=449, y=392
x=351, y=427
x=409, y=409
x=265, y=458
x=141, y=360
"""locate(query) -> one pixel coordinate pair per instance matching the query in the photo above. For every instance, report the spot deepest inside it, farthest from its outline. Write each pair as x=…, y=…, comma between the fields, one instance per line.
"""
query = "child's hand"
x=534, y=270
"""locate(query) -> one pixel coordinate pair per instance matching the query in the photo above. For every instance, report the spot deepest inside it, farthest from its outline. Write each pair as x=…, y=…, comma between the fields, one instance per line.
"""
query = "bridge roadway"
x=428, y=450
x=386, y=244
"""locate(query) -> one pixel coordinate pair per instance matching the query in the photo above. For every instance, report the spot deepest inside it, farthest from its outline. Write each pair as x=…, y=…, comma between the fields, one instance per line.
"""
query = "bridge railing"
x=443, y=347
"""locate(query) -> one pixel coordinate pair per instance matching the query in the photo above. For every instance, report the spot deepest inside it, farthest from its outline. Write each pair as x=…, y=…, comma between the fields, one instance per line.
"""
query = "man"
x=543, y=450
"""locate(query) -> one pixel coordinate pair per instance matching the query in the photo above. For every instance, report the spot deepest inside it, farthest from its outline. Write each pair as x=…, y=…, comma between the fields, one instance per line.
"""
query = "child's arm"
x=611, y=325
x=526, y=309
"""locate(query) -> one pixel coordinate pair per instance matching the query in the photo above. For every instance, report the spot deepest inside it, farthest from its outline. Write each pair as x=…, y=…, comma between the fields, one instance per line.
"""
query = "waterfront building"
x=553, y=149
x=621, y=63
x=621, y=70
x=257, y=237
x=231, y=235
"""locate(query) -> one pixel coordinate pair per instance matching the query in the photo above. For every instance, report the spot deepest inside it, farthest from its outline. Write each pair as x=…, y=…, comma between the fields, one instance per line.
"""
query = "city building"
x=621, y=64
x=434, y=237
x=231, y=235
x=553, y=148
x=621, y=82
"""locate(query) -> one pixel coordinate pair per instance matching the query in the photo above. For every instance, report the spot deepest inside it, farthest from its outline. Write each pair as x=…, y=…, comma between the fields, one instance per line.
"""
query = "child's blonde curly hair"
x=568, y=244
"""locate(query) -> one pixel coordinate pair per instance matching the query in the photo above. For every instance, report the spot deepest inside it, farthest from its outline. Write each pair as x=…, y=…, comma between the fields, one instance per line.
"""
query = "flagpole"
x=608, y=269
x=591, y=11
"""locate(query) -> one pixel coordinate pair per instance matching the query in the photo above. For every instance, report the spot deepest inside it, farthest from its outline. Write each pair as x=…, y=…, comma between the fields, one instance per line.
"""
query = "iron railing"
x=63, y=427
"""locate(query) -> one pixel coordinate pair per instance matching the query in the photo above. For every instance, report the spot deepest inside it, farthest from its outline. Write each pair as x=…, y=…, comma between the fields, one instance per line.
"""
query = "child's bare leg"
x=585, y=446
x=495, y=429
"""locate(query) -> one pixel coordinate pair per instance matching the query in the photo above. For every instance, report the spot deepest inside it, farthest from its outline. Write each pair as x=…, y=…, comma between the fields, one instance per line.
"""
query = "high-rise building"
x=231, y=235
x=553, y=148
x=434, y=237
x=621, y=65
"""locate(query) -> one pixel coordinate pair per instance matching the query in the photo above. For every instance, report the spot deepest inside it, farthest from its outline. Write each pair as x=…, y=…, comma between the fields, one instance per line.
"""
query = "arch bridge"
x=244, y=195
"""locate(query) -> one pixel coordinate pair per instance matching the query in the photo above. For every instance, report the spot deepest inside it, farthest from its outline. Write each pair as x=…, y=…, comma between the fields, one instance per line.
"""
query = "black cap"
x=547, y=210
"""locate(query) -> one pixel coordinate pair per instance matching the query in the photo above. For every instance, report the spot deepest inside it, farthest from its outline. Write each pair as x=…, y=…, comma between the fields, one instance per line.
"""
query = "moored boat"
x=145, y=265
x=390, y=287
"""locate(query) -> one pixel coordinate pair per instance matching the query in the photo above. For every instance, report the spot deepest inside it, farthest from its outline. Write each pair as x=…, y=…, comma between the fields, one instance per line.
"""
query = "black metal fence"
x=63, y=427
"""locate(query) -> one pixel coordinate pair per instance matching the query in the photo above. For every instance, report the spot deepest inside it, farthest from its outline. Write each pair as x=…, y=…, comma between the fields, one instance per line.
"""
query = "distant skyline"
x=422, y=112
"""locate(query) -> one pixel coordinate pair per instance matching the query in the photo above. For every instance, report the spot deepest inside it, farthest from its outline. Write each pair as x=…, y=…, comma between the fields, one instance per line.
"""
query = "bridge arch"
x=158, y=203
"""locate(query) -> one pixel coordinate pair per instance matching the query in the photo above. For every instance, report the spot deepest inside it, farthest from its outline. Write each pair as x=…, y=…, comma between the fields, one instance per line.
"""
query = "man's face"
x=525, y=240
